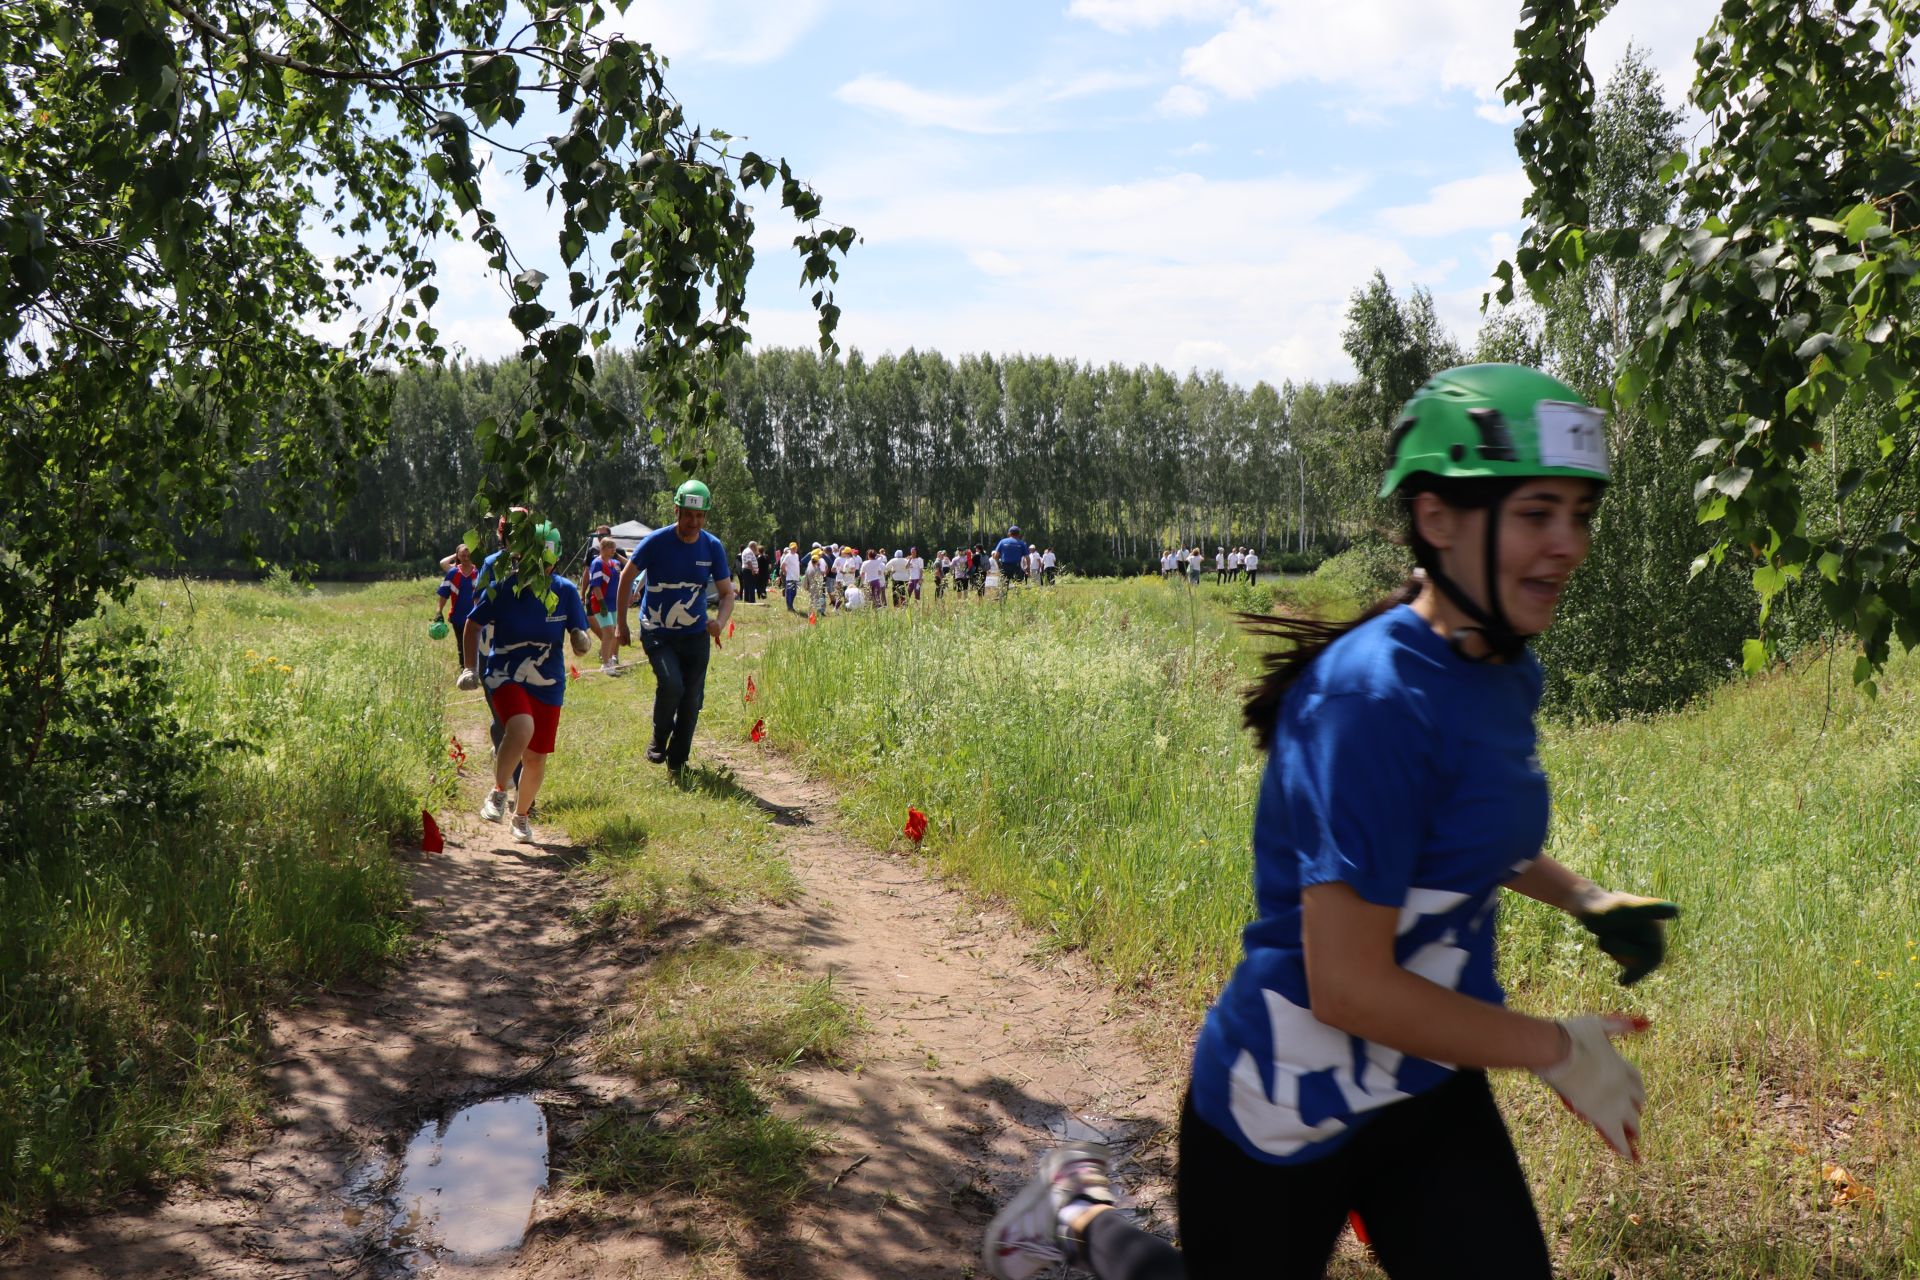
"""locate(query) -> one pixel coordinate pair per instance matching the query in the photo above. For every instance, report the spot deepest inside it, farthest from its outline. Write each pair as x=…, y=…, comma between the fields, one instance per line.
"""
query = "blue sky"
x=1192, y=183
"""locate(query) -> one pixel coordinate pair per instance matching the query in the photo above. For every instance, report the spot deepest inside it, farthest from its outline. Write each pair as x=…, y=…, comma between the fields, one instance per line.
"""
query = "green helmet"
x=694, y=496
x=1486, y=421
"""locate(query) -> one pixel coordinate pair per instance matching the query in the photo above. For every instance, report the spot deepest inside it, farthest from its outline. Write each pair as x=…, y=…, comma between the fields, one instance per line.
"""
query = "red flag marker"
x=729, y=630
x=750, y=690
x=1359, y=1228
x=916, y=825
x=456, y=752
x=573, y=672
x=430, y=841
x=813, y=619
x=759, y=731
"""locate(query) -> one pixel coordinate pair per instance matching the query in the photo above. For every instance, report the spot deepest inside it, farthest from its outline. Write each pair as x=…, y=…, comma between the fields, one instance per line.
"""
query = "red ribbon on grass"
x=758, y=731
x=430, y=841
x=916, y=825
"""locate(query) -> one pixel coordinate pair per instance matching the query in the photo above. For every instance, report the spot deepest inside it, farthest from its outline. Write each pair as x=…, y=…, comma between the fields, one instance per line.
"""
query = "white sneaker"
x=495, y=807
x=610, y=667
x=522, y=829
x=1027, y=1236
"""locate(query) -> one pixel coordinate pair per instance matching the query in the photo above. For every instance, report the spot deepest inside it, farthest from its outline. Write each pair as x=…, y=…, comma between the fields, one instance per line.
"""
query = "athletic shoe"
x=496, y=806
x=611, y=667
x=522, y=828
x=656, y=754
x=1027, y=1236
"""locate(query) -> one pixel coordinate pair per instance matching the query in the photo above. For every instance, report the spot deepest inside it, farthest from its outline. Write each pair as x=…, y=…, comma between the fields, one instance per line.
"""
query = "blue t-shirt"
x=1011, y=551
x=678, y=573
x=527, y=636
x=1407, y=772
x=603, y=581
x=457, y=585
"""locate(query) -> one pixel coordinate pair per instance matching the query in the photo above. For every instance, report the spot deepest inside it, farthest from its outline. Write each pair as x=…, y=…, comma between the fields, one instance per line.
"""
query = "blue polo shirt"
x=528, y=636
x=1010, y=551
x=678, y=573
x=603, y=581
x=1408, y=773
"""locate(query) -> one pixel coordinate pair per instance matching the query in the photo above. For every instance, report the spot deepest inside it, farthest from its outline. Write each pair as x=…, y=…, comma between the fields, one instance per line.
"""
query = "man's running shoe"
x=495, y=807
x=523, y=828
x=1028, y=1236
x=656, y=754
x=611, y=666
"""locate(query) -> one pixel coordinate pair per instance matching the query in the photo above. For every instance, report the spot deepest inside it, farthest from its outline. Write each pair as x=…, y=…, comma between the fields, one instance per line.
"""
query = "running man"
x=675, y=631
x=525, y=674
x=1343, y=1068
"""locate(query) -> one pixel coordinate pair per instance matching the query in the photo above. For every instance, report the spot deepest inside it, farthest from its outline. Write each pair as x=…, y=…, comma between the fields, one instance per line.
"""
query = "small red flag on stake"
x=759, y=730
x=750, y=690
x=573, y=672
x=1359, y=1228
x=729, y=630
x=430, y=841
x=813, y=619
x=456, y=752
x=916, y=825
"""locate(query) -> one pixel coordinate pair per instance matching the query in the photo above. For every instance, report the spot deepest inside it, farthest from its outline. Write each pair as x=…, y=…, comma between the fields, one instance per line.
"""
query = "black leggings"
x=1434, y=1180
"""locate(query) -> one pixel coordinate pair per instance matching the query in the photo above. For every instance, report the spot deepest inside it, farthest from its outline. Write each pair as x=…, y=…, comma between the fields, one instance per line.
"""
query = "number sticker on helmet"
x=1572, y=435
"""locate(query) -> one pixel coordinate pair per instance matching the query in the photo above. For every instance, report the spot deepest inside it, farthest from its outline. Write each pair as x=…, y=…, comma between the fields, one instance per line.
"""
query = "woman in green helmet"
x=1343, y=1068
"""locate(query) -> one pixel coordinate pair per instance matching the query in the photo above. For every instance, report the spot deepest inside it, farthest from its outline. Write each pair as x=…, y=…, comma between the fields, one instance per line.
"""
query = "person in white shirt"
x=1196, y=565
x=846, y=575
x=749, y=568
x=1235, y=562
x=1166, y=565
x=1253, y=566
x=916, y=571
x=897, y=575
x=1048, y=562
x=873, y=573
x=942, y=566
x=1220, y=566
x=790, y=573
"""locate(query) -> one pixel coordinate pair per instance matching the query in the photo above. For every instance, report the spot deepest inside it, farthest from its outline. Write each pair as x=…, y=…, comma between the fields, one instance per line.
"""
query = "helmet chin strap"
x=1489, y=623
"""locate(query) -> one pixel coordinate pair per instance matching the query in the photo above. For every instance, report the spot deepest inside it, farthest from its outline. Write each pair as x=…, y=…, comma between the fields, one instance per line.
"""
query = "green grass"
x=135, y=965
x=1079, y=755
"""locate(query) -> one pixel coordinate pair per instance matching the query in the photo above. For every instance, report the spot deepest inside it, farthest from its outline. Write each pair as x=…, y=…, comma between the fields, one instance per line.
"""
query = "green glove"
x=1629, y=929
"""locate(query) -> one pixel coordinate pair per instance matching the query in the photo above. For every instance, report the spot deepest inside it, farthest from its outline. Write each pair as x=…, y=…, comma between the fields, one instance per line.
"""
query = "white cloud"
x=976, y=113
x=1249, y=276
x=739, y=32
x=1183, y=101
x=1012, y=109
x=1122, y=16
x=1394, y=52
x=1465, y=204
x=1196, y=149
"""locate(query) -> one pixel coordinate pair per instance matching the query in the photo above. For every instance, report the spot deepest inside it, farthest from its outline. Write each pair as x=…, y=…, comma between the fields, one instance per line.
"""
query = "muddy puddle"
x=463, y=1190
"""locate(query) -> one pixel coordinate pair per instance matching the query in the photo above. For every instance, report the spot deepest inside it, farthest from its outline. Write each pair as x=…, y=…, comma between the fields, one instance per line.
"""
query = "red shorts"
x=511, y=700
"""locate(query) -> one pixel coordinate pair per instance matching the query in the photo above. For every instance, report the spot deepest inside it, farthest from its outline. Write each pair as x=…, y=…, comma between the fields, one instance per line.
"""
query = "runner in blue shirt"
x=456, y=595
x=599, y=582
x=525, y=675
x=1011, y=552
x=1343, y=1068
x=679, y=562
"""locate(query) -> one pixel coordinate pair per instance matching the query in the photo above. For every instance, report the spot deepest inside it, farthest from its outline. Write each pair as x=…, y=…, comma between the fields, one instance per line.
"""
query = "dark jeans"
x=1434, y=1180
x=679, y=660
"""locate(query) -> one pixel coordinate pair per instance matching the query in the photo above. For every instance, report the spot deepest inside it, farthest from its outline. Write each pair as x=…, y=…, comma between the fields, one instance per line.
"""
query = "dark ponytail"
x=1304, y=640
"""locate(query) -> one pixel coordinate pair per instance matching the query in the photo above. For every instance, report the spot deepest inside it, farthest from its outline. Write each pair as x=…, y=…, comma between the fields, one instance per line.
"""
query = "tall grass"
x=1078, y=753
x=135, y=964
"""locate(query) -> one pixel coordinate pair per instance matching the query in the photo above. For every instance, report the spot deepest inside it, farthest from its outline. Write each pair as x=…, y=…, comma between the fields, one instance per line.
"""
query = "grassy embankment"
x=1078, y=754
x=135, y=966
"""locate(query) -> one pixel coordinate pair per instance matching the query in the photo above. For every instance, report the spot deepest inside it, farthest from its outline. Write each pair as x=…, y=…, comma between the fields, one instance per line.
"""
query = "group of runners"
x=1191, y=563
x=1340, y=1075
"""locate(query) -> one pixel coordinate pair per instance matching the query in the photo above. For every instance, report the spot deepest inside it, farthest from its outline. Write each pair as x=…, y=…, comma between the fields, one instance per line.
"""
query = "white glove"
x=1599, y=1085
x=467, y=680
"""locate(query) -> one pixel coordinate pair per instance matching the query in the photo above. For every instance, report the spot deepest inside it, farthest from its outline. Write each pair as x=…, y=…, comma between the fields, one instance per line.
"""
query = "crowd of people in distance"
x=834, y=576
x=1191, y=563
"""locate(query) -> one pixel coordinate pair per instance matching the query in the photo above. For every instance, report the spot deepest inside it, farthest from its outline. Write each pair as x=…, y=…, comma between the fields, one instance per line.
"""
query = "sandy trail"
x=978, y=1051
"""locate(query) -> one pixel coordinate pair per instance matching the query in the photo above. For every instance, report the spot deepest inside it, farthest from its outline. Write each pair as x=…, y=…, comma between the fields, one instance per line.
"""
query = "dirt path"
x=980, y=1052
x=976, y=1054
